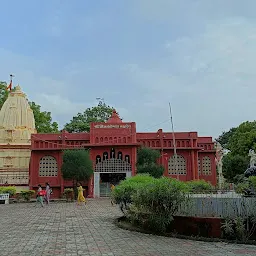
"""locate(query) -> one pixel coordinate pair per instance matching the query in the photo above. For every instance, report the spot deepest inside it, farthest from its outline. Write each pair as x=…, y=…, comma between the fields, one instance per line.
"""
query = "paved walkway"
x=64, y=229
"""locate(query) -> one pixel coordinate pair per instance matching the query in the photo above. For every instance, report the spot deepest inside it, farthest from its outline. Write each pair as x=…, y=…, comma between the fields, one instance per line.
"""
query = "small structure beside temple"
x=113, y=149
x=17, y=123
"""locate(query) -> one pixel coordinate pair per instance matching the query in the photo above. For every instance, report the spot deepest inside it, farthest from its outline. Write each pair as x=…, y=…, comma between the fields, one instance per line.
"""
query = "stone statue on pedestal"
x=218, y=159
x=252, y=154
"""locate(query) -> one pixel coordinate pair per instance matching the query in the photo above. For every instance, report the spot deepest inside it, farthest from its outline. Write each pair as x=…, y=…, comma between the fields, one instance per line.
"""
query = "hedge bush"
x=240, y=188
x=69, y=193
x=150, y=202
x=252, y=181
x=27, y=194
x=11, y=190
x=155, y=203
x=122, y=194
x=199, y=186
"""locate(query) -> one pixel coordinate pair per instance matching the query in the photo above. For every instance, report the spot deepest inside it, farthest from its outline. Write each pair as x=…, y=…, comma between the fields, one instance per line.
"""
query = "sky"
x=138, y=55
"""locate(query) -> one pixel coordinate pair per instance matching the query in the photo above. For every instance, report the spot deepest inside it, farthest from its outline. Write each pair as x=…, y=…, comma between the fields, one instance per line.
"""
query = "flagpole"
x=174, y=143
x=10, y=85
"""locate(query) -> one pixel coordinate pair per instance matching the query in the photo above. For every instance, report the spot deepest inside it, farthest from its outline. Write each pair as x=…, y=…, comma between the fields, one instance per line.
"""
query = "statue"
x=219, y=164
x=252, y=154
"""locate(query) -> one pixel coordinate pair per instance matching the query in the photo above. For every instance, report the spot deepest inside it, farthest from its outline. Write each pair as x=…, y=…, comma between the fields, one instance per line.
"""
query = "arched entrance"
x=107, y=172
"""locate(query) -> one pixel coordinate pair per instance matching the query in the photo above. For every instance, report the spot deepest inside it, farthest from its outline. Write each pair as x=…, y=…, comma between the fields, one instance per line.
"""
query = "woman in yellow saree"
x=80, y=196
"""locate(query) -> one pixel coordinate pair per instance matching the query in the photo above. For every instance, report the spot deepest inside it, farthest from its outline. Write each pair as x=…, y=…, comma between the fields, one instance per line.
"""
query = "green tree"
x=81, y=122
x=224, y=138
x=243, y=139
x=239, y=140
x=43, y=119
x=3, y=93
x=234, y=166
x=147, y=162
x=77, y=165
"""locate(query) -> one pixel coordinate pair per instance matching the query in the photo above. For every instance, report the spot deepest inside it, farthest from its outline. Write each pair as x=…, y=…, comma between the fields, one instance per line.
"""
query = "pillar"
x=96, y=184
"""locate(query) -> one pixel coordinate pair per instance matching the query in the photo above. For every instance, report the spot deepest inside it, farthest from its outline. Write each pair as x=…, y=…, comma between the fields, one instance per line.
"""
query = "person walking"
x=112, y=187
x=40, y=194
x=80, y=196
x=48, y=191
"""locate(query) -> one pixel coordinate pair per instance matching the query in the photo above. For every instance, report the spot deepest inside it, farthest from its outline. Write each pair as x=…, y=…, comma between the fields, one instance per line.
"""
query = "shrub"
x=69, y=193
x=240, y=188
x=27, y=194
x=252, y=181
x=11, y=190
x=155, y=203
x=155, y=170
x=199, y=186
x=122, y=194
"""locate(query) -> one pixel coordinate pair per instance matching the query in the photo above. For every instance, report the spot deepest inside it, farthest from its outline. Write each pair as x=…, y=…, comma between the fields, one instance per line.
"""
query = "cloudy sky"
x=138, y=55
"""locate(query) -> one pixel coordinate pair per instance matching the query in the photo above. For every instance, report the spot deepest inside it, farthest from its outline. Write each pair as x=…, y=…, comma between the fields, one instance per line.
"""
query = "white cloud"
x=209, y=78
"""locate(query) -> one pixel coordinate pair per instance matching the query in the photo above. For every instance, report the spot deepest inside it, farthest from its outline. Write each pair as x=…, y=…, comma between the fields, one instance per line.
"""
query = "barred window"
x=181, y=166
x=207, y=168
x=48, y=167
x=113, y=165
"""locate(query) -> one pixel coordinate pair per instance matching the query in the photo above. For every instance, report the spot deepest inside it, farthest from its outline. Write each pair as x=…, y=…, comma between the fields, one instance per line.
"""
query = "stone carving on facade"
x=219, y=156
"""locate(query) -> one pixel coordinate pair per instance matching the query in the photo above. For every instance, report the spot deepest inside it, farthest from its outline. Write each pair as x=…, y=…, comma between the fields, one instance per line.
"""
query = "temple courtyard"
x=64, y=229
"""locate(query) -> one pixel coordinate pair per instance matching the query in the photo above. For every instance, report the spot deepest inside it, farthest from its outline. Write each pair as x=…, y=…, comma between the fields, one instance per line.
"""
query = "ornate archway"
x=107, y=168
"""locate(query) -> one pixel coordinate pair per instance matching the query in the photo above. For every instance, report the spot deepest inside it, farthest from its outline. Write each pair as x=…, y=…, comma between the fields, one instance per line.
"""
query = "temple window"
x=106, y=139
x=206, y=166
x=181, y=166
x=112, y=153
x=48, y=167
x=98, y=159
x=127, y=158
x=101, y=139
x=153, y=144
x=97, y=140
x=105, y=156
x=157, y=144
x=120, y=155
x=124, y=139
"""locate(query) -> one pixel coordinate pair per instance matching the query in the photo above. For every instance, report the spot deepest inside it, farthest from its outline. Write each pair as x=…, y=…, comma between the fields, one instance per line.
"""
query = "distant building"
x=16, y=126
x=113, y=150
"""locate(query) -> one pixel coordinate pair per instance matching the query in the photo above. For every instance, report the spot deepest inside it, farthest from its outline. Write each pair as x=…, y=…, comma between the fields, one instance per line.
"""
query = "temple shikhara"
x=112, y=145
x=16, y=126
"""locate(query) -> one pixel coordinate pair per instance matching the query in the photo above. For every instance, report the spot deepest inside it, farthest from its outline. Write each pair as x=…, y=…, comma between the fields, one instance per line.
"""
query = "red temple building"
x=113, y=150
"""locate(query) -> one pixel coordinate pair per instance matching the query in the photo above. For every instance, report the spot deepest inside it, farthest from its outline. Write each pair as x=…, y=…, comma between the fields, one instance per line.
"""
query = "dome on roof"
x=16, y=119
x=114, y=119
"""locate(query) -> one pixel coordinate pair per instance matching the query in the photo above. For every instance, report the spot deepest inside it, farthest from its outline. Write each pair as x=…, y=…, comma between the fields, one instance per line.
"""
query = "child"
x=112, y=187
x=40, y=194
x=80, y=196
x=48, y=191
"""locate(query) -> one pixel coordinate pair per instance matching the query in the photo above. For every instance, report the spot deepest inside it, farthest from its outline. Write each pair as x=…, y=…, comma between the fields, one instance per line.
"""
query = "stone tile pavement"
x=64, y=229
